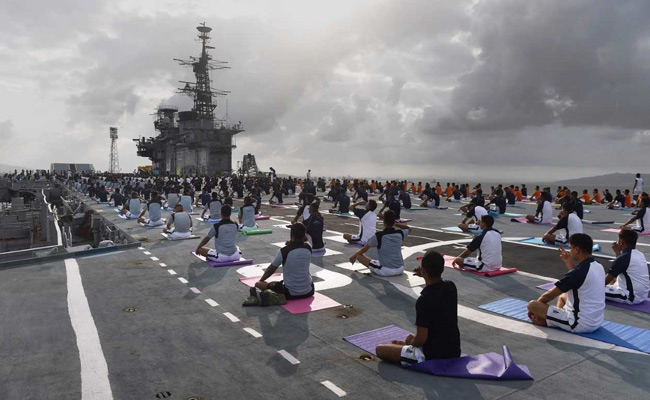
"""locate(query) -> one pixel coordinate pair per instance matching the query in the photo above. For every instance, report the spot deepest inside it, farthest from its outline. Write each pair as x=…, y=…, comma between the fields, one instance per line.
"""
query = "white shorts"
x=431, y=204
x=178, y=235
x=411, y=355
x=619, y=295
x=355, y=238
x=247, y=228
x=563, y=319
x=559, y=239
x=376, y=268
x=474, y=228
x=214, y=256
x=637, y=228
x=149, y=222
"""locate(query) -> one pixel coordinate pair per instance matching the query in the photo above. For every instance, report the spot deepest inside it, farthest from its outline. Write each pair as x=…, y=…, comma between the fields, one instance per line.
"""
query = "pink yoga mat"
x=261, y=217
x=317, y=302
x=642, y=307
x=614, y=230
x=449, y=260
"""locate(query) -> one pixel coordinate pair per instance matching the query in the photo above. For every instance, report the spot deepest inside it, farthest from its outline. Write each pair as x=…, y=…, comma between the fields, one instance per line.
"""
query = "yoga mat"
x=609, y=332
x=415, y=208
x=614, y=230
x=503, y=271
x=241, y=261
x=257, y=232
x=324, y=253
x=514, y=215
x=102, y=202
x=586, y=221
x=209, y=221
x=280, y=204
x=641, y=307
x=317, y=302
x=368, y=341
x=261, y=217
x=490, y=366
x=185, y=238
x=539, y=241
x=403, y=220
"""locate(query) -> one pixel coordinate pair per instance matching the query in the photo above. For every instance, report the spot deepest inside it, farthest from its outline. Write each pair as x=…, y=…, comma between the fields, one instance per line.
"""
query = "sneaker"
x=270, y=298
x=251, y=300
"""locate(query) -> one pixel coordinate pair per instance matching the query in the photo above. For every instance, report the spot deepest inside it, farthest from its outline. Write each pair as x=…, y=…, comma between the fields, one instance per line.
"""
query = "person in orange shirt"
x=419, y=188
x=373, y=186
x=518, y=195
x=449, y=190
x=439, y=189
x=467, y=192
x=536, y=194
x=628, y=198
x=585, y=197
x=596, y=197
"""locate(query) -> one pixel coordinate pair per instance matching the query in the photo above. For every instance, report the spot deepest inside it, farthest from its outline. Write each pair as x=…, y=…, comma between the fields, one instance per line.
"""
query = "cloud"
x=582, y=63
x=392, y=88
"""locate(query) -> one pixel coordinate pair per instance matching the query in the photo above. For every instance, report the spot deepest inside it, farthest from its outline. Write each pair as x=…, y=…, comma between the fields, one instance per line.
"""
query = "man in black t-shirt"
x=436, y=319
x=314, y=226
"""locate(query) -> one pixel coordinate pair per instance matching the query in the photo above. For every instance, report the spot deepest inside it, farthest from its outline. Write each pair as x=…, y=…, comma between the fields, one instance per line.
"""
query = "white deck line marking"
x=148, y=253
x=253, y=332
x=195, y=290
x=211, y=302
x=163, y=264
x=544, y=278
x=140, y=248
x=94, y=371
x=154, y=258
x=337, y=391
x=231, y=317
x=293, y=360
x=110, y=253
x=183, y=280
x=171, y=272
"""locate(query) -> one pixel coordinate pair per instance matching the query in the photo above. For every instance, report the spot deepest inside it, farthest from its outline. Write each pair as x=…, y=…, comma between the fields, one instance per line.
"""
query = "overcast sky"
x=503, y=88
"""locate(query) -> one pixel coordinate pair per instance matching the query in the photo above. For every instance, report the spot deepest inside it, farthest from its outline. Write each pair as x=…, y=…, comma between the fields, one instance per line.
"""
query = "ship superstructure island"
x=193, y=142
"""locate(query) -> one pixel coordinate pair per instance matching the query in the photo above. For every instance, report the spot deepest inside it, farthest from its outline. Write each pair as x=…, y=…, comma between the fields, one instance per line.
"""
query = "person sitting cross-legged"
x=436, y=319
x=569, y=221
x=470, y=222
x=225, y=239
x=180, y=224
x=580, y=294
x=627, y=279
x=295, y=259
x=488, y=244
x=389, y=246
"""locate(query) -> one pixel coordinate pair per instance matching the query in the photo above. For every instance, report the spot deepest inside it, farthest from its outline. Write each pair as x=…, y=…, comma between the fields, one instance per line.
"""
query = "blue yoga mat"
x=540, y=242
x=609, y=332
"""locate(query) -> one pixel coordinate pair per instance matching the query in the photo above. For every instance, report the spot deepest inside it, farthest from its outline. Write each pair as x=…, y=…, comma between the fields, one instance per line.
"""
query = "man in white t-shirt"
x=367, y=222
x=544, y=212
x=638, y=187
x=488, y=244
x=569, y=221
x=642, y=218
x=471, y=221
x=627, y=280
x=580, y=296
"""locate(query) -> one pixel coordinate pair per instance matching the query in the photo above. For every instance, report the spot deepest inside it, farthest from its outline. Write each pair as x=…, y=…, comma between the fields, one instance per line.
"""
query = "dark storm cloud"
x=583, y=63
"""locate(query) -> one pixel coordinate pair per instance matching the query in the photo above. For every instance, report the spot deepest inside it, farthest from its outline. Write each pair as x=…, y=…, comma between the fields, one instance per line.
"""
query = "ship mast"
x=200, y=90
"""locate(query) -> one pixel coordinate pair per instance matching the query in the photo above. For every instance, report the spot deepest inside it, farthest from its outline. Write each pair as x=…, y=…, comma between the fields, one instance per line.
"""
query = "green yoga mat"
x=257, y=232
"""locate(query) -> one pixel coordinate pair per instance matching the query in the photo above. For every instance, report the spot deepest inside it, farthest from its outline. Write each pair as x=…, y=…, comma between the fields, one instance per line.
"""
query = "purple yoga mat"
x=368, y=341
x=490, y=366
x=643, y=307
